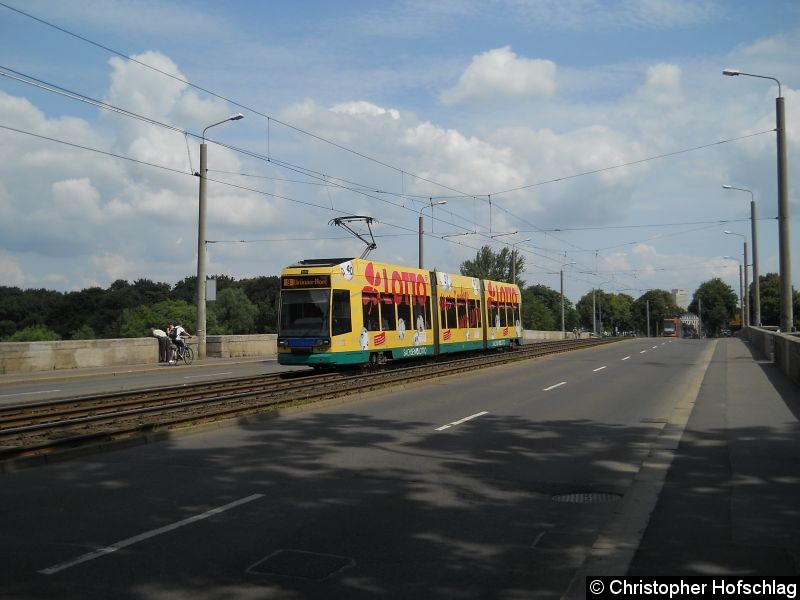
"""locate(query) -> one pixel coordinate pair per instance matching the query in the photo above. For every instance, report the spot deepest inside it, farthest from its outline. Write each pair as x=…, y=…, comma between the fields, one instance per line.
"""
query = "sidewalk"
x=731, y=500
x=115, y=370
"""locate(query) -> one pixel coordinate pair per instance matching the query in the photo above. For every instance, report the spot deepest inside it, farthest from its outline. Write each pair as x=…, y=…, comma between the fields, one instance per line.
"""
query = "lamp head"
x=731, y=72
x=727, y=187
x=236, y=117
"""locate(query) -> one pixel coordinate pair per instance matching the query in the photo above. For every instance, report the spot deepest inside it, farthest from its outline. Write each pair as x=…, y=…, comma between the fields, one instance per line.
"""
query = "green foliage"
x=34, y=333
x=541, y=310
x=84, y=332
x=614, y=312
x=661, y=306
x=235, y=313
x=137, y=322
x=494, y=265
x=716, y=303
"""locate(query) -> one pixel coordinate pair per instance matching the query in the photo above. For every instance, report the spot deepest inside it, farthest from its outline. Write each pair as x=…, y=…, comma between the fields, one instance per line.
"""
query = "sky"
x=593, y=137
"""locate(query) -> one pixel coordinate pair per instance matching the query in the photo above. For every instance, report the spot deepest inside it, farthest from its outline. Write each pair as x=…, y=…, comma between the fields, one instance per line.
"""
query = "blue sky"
x=457, y=99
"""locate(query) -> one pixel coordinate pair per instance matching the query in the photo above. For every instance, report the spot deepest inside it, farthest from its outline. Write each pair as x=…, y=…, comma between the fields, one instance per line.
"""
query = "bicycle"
x=185, y=353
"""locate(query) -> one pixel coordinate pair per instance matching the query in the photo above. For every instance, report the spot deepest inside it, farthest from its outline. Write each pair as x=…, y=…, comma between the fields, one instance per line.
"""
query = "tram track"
x=53, y=427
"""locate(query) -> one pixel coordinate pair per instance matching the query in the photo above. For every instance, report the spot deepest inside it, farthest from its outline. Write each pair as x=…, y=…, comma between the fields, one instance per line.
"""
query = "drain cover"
x=586, y=498
x=301, y=564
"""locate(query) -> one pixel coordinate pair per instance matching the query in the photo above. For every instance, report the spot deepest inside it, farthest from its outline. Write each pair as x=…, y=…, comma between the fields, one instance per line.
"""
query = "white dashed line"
x=460, y=421
x=643, y=352
x=146, y=535
x=626, y=358
x=597, y=369
x=552, y=387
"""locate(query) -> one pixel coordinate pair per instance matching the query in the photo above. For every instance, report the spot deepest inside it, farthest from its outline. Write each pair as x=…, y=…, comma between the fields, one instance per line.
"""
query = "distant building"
x=691, y=320
x=680, y=298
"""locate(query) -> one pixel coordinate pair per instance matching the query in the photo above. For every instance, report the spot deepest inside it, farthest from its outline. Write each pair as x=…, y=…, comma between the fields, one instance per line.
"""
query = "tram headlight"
x=322, y=342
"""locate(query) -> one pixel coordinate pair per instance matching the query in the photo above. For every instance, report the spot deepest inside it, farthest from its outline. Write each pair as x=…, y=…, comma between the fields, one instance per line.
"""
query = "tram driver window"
x=342, y=321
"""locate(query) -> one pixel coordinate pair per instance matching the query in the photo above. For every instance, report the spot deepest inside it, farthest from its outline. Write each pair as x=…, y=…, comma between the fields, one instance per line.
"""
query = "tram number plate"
x=421, y=351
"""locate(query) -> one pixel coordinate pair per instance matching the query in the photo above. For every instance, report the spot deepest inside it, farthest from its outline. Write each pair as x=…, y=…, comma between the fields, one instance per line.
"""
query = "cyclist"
x=176, y=334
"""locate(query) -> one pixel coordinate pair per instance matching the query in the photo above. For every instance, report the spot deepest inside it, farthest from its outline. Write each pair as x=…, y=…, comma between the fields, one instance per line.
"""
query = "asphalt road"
x=25, y=388
x=450, y=489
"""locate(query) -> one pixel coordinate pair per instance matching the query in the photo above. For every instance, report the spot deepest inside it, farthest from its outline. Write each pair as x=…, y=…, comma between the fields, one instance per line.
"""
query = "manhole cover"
x=586, y=498
x=301, y=564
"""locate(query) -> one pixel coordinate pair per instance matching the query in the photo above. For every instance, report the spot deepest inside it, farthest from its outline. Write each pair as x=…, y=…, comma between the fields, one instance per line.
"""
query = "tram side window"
x=371, y=310
x=515, y=314
x=422, y=313
x=450, y=304
x=474, y=313
x=503, y=314
x=342, y=320
x=461, y=308
x=404, y=312
x=388, y=322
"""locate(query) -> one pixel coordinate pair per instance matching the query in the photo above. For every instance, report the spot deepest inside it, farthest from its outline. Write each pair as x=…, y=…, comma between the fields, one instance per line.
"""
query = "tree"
x=34, y=333
x=137, y=322
x=661, y=306
x=264, y=293
x=234, y=311
x=494, y=265
x=719, y=304
x=613, y=311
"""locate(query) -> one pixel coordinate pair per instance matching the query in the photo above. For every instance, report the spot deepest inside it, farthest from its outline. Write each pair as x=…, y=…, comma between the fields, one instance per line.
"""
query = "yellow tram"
x=346, y=311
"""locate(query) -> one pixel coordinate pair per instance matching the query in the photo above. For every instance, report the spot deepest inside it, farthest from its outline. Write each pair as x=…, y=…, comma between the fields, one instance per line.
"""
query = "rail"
x=44, y=428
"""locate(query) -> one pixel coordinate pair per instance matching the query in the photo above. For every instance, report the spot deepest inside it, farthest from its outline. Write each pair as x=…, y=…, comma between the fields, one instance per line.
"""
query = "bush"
x=36, y=333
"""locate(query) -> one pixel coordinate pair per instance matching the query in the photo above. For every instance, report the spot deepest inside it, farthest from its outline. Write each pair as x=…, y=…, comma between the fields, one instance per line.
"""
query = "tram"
x=351, y=311
x=672, y=327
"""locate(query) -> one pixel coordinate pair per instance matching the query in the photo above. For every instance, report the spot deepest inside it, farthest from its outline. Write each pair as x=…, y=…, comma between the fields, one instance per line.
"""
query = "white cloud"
x=10, y=270
x=501, y=73
x=365, y=108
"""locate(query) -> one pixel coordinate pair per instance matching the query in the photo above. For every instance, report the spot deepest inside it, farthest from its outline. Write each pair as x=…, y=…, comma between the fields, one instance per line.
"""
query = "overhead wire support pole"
x=784, y=247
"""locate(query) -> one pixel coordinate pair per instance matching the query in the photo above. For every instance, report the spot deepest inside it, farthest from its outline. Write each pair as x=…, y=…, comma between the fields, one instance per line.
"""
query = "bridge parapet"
x=781, y=348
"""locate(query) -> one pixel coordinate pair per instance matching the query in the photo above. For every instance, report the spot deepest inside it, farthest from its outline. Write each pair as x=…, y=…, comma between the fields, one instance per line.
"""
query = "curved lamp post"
x=756, y=321
x=201, y=241
x=745, y=303
x=784, y=251
x=421, y=231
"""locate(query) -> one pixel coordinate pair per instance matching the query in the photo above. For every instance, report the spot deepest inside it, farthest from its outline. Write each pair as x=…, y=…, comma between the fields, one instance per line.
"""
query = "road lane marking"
x=28, y=393
x=643, y=352
x=552, y=387
x=626, y=358
x=146, y=535
x=656, y=346
x=460, y=421
x=598, y=369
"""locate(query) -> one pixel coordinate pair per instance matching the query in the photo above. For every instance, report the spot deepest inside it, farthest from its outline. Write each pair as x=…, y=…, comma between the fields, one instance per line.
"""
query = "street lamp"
x=787, y=318
x=421, y=233
x=201, y=241
x=741, y=297
x=754, y=237
x=561, y=273
x=745, y=303
x=514, y=260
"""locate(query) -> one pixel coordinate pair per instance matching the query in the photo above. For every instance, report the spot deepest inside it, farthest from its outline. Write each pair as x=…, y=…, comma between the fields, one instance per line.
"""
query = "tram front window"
x=304, y=313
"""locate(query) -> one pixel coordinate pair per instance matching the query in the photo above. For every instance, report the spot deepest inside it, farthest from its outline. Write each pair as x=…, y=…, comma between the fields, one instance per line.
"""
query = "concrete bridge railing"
x=27, y=357
x=781, y=348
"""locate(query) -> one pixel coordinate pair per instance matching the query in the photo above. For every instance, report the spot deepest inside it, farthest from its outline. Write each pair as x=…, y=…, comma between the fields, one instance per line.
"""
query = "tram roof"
x=320, y=262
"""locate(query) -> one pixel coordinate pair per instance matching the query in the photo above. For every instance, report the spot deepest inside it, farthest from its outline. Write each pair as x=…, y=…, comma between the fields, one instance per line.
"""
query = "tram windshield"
x=304, y=313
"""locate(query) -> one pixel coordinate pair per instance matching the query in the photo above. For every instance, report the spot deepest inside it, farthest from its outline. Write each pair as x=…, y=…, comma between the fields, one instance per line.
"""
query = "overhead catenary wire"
x=403, y=172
